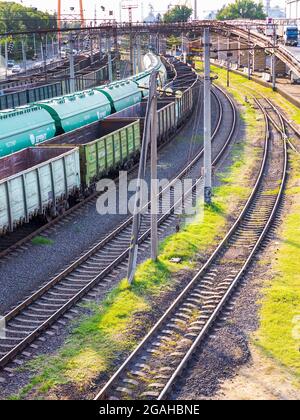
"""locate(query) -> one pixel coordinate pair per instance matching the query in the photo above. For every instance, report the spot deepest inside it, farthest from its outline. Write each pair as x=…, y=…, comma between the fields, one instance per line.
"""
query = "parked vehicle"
x=289, y=34
x=10, y=64
x=16, y=69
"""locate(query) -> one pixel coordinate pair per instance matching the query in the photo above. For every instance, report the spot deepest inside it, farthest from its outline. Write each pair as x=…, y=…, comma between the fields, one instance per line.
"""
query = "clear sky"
x=204, y=6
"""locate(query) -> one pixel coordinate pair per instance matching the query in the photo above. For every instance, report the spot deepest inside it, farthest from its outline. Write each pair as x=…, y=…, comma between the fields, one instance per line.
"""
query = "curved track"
x=12, y=242
x=154, y=367
x=278, y=119
x=35, y=315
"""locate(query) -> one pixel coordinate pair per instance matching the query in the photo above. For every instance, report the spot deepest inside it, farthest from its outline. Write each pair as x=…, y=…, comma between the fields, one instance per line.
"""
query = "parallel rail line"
x=278, y=119
x=151, y=371
x=11, y=242
x=41, y=310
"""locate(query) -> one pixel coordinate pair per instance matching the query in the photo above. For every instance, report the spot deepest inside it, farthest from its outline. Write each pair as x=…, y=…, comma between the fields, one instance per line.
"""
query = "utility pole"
x=42, y=52
x=131, y=50
x=46, y=47
x=158, y=43
x=92, y=48
x=24, y=56
x=249, y=55
x=44, y=59
x=109, y=62
x=100, y=46
x=130, y=5
x=72, y=67
x=274, y=58
x=195, y=9
x=154, y=180
x=148, y=135
x=34, y=45
x=207, y=120
x=6, y=59
x=53, y=47
x=228, y=74
x=139, y=54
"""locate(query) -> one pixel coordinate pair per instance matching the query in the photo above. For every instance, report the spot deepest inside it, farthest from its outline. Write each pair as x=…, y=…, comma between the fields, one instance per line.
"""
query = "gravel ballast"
x=27, y=270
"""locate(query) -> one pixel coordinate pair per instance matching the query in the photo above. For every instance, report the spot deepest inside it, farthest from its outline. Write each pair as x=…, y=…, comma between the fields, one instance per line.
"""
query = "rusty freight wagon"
x=36, y=181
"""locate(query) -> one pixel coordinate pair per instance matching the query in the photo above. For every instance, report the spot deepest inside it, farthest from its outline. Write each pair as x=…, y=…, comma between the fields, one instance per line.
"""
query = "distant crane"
x=129, y=5
x=59, y=14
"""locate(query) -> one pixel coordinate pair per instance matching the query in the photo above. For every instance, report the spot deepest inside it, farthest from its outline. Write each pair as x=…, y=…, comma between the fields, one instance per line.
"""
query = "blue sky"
x=159, y=5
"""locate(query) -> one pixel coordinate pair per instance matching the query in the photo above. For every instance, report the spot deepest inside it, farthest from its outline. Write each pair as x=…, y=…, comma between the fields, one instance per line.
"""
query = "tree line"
x=15, y=17
x=239, y=9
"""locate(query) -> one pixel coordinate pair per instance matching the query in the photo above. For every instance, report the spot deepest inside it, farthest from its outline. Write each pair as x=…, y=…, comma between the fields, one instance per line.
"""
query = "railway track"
x=12, y=241
x=287, y=128
x=151, y=371
x=278, y=118
x=42, y=309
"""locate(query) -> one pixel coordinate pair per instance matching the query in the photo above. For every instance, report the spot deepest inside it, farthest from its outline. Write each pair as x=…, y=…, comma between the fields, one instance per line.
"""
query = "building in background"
x=293, y=9
x=210, y=15
x=152, y=17
x=276, y=12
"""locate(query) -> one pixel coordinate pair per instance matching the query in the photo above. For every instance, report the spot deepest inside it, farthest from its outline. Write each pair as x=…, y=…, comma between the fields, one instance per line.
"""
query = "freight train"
x=38, y=122
x=45, y=180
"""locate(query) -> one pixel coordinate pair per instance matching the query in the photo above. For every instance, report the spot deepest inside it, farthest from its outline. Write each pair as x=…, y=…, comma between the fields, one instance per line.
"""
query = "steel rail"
x=105, y=390
x=282, y=118
x=71, y=302
x=14, y=245
x=104, y=393
x=233, y=286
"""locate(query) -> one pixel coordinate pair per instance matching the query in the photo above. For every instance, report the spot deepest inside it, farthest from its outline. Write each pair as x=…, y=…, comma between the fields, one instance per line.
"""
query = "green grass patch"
x=291, y=110
x=40, y=240
x=96, y=342
x=279, y=333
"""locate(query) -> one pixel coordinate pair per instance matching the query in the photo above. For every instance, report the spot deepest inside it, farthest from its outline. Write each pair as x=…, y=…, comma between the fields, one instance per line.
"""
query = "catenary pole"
x=249, y=55
x=274, y=59
x=6, y=59
x=133, y=253
x=24, y=56
x=72, y=67
x=207, y=120
x=109, y=59
x=154, y=180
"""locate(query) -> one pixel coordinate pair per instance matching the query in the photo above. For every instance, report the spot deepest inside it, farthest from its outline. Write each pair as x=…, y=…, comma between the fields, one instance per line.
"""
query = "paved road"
x=295, y=51
x=30, y=64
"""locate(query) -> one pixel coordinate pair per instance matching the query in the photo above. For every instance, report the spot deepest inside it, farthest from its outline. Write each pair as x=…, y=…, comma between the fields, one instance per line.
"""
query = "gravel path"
x=20, y=275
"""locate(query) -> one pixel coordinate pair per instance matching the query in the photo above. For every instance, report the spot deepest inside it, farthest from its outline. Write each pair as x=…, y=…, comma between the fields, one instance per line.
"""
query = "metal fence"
x=59, y=88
